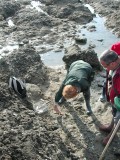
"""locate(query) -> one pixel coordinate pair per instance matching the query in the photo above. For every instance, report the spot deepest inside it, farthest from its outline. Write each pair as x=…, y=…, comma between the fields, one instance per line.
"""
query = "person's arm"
x=57, y=109
x=106, y=87
x=116, y=84
x=86, y=95
x=58, y=96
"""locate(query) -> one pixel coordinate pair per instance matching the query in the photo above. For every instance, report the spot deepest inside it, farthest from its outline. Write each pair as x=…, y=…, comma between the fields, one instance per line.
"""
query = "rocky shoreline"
x=27, y=134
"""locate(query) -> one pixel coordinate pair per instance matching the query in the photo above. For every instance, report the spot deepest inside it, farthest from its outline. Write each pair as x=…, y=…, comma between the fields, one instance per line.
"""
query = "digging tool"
x=113, y=134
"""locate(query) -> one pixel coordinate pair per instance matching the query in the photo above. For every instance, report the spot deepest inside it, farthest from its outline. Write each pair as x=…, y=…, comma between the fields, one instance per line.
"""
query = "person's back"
x=78, y=74
x=78, y=79
x=80, y=65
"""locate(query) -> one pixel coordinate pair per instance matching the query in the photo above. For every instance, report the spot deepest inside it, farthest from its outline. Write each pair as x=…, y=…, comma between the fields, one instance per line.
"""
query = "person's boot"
x=87, y=101
x=106, y=139
x=107, y=128
x=102, y=98
x=103, y=94
x=89, y=111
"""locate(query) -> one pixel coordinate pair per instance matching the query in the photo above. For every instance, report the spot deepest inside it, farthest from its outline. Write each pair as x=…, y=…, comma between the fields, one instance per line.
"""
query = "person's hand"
x=57, y=109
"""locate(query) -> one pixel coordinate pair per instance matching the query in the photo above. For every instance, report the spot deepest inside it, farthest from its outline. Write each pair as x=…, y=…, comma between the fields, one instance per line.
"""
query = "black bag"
x=18, y=86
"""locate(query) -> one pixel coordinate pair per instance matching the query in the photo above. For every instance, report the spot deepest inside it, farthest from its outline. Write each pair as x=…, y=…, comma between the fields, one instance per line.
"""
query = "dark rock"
x=74, y=53
x=81, y=40
x=8, y=9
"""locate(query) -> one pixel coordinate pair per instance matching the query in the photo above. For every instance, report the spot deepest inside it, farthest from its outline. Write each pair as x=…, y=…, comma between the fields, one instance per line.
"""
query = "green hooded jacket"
x=80, y=74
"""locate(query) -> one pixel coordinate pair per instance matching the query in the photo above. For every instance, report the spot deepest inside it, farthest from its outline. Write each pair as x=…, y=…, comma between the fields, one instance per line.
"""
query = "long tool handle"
x=106, y=147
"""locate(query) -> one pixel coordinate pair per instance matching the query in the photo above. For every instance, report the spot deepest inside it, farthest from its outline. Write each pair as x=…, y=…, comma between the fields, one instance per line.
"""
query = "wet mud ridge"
x=29, y=129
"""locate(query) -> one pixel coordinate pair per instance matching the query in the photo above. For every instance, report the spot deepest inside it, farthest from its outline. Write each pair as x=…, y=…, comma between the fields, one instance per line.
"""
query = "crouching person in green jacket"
x=78, y=79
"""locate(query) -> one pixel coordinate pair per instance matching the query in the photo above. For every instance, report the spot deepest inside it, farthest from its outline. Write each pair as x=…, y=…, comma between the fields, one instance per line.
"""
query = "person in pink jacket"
x=116, y=48
x=110, y=60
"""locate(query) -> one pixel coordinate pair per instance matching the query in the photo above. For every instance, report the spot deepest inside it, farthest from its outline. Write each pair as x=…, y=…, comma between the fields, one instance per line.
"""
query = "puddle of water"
x=90, y=8
x=36, y=5
x=52, y=58
x=41, y=106
x=7, y=50
x=10, y=23
x=102, y=37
